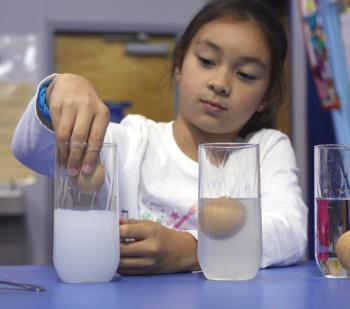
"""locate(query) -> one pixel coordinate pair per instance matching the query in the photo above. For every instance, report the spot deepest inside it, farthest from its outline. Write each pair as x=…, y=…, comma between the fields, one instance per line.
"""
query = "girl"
x=228, y=68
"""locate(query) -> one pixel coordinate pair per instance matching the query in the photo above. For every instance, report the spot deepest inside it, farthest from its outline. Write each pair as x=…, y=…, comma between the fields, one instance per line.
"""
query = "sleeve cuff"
x=42, y=109
x=41, y=101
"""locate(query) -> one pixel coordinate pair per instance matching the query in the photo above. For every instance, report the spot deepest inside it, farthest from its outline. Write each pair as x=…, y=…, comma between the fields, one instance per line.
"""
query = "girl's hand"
x=155, y=249
x=78, y=116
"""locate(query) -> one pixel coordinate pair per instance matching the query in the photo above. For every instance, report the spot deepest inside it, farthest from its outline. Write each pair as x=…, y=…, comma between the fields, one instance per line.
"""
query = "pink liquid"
x=332, y=219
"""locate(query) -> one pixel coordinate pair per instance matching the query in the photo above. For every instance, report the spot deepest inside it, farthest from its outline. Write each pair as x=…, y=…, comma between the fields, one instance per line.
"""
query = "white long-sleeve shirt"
x=157, y=181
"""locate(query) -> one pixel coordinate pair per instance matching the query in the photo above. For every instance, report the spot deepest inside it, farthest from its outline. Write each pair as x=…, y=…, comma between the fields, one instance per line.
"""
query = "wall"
x=155, y=12
x=41, y=17
x=22, y=17
x=38, y=16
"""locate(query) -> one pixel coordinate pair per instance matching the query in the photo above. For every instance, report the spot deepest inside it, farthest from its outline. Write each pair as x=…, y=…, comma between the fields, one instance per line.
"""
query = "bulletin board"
x=18, y=73
x=318, y=55
x=326, y=30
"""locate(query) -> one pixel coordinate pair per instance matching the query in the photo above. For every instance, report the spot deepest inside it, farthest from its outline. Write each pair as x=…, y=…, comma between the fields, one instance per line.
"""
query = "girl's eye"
x=246, y=76
x=205, y=62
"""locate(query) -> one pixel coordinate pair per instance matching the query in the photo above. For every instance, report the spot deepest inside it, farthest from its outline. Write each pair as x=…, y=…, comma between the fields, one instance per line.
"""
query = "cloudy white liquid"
x=86, y=245
x=235, y=257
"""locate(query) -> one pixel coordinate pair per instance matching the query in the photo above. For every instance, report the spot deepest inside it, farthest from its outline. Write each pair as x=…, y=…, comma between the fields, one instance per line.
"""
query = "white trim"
x=298, y=97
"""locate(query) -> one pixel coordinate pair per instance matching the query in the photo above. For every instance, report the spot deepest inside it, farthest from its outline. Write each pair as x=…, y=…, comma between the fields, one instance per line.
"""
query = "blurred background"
x=124, y=47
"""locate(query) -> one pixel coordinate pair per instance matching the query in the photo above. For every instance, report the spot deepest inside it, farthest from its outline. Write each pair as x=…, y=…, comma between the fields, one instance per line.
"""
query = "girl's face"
x=224, y=76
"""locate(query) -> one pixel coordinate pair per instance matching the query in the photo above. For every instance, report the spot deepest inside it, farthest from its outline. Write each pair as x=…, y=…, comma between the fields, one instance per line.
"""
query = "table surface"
x=300, y=286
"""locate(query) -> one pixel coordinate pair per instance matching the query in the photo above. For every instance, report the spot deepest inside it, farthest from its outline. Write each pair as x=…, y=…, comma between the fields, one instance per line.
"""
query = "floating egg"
x=342, y=248
x=221, y=217
x=92, y=182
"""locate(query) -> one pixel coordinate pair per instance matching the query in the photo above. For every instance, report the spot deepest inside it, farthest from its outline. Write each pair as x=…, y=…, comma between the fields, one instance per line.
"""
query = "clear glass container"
x=229, y=211
x=332, y=209
x=86, y=222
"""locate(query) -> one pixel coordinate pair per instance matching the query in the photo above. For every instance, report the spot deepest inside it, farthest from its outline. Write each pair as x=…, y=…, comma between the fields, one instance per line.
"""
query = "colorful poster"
x=315, y=39
x=345, y=33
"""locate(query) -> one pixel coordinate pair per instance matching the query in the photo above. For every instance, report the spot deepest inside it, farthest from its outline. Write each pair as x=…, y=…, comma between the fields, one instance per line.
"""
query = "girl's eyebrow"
x=242, y=59
x=210, y=44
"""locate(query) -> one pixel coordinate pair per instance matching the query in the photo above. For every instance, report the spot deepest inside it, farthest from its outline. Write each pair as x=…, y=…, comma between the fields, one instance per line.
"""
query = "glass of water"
x=332, y=209
x=86, y=222
x=229, y=216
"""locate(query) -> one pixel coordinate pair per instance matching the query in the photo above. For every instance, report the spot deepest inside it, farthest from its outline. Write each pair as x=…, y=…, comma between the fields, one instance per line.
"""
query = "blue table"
x=299, y=286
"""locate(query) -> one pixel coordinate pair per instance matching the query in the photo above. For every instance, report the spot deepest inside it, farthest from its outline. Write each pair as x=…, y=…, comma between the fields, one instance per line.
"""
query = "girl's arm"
x=33, y=143
x=284, y=214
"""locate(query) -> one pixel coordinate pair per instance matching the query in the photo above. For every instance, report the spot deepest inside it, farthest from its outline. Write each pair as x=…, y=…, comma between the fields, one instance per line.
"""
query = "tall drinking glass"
x=229, y=219
x=332, y=209
x=86, y=222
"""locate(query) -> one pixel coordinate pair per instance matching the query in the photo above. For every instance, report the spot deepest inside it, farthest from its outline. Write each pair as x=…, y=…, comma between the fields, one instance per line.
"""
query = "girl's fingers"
x=78, y=140
x=95, y=140
x=134, y=266
x=134, y=249
x=63, y=127
x=134, y=229
x=79, y=117
x=132, y=221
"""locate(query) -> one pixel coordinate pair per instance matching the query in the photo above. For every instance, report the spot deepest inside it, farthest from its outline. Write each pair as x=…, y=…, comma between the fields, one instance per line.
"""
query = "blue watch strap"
x=43, y=108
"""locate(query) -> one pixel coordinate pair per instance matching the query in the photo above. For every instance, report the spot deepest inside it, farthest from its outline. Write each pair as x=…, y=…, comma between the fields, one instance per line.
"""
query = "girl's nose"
x=219, y=86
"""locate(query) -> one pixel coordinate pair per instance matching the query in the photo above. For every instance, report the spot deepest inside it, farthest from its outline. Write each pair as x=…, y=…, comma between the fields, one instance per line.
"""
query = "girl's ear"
x=177, y=74
x=261, y=107
x=266, y=101
x=264, y=104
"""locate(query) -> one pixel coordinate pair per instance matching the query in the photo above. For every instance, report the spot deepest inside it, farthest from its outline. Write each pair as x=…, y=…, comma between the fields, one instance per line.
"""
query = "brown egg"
x=92, y=182
x=221, y=217
x=342, y=248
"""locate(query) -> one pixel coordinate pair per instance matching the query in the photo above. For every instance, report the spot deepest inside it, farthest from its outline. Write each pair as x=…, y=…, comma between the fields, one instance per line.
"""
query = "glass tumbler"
x=86, y=222
x=229, y=211
x=332, y=209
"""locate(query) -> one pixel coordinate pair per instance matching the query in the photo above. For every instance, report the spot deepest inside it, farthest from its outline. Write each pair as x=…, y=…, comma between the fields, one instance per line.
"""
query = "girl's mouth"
x=212, y=107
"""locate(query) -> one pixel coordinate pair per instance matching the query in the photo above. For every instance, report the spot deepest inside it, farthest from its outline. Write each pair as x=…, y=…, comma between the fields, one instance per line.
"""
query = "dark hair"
x=273, y=30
